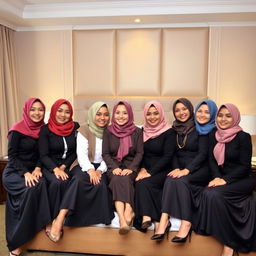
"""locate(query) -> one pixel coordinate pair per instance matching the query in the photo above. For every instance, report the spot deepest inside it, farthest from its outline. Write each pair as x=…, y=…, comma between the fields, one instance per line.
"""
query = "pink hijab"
x=225, y=136
x=26, y=126
x=150, y=132
x=123, y=131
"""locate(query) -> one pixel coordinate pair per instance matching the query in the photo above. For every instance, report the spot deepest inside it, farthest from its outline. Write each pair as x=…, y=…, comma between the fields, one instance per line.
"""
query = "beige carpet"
x=4, y=250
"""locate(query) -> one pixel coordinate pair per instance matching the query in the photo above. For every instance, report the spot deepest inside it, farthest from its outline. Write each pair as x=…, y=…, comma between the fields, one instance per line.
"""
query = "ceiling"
x=93, y=14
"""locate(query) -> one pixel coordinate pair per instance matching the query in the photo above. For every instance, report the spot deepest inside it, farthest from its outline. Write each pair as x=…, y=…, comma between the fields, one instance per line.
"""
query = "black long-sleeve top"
x=52, y=147
x=194, y=154
x=238, y=154
x=158, y=153
x=23, y=154
x=110, y=147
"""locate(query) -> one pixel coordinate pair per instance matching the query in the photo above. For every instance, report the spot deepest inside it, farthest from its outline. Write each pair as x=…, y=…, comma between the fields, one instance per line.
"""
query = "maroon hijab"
x=26, y=126
x=57, y=128
x=225, y=136
x=123, y=131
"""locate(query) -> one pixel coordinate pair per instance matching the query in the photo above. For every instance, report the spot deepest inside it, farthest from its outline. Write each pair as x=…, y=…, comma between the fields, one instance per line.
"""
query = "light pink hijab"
x=150, y=132
x=225, y=136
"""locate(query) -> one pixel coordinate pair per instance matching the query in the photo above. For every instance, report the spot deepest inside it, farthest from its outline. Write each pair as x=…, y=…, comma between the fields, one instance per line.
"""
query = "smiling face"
x=181, y=112
x=121, y=115
x=153, y=116
x=224, y=118
x=36, y=112
x=203, y=114
x=102, y=117
x=63, y=114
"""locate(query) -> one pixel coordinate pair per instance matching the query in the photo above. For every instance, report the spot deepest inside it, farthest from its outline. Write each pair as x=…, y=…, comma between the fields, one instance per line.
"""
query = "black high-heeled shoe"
x=146, y=224
x=178, y=239
x=159, y=237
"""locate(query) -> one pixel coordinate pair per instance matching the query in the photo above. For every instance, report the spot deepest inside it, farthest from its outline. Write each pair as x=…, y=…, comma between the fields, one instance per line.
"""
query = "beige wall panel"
x=237, y=68
x=94, y=62
x=42, y=65
x=138, y=62
x=184, y=65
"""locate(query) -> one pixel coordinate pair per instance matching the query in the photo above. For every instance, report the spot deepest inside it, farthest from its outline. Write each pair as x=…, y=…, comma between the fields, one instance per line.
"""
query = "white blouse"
x=82, y=154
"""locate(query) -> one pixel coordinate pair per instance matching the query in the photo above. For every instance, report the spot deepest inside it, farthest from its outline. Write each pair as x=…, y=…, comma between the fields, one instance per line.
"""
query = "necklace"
x=182, y=145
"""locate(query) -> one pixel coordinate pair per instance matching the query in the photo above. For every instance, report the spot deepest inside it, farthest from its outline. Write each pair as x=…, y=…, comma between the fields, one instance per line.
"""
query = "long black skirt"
x=56, y=191
x=122, y=187
x=148, y=196
x=228, y=213
x=180, y=197
x=27, y=208
x=88, y=204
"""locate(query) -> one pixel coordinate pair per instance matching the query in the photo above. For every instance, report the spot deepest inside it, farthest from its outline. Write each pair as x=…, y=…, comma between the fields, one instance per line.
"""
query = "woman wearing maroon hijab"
x=27, y=206
x=122, y=151
x=57, y=147
x=227, y=207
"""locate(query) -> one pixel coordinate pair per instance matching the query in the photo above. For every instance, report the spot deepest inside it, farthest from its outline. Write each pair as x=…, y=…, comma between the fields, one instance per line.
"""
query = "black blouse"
x=23, y=154
x=194, y=154
x=238, y=154
x=52, y=147
x=158, y=153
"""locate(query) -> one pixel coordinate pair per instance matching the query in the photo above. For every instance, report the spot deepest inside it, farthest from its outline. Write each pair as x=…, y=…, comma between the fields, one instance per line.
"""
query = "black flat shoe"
x=146, y=224
x=159, y=237
x=178, y=239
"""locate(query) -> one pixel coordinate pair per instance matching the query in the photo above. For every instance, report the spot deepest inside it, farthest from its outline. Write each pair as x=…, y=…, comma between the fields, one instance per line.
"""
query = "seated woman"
x=122, y=151
x=189, y=168
x=227, y=206
x=159, y=147
x=88, y=187
x=57, y=146
x=27, y=206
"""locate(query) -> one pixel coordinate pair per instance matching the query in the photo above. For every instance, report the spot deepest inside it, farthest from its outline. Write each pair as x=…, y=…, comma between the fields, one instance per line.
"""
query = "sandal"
x=54, y=238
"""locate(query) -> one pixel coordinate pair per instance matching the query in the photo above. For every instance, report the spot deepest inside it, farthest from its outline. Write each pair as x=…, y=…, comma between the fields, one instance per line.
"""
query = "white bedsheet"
x=115, y=224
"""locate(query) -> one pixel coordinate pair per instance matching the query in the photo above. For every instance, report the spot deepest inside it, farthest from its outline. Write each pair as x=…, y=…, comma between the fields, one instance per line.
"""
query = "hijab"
x=224, y=136
x=184, y=128
x=206, y=128
x=150, y=132
x=26, y=126
x=57, y=128
x=123, y=131
x=95, y=129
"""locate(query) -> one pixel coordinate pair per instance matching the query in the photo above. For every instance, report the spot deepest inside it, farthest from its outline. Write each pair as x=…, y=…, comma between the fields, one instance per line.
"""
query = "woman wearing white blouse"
x=88, y=200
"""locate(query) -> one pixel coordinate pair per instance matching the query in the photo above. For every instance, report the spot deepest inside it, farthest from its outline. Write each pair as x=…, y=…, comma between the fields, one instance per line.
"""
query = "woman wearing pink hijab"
x=27, y=206
x=228, y=208
x=159, y=147
x=122, y=151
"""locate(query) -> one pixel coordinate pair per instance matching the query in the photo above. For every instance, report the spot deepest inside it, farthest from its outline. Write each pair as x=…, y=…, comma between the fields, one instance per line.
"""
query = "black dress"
x=228, y=212
x=52, y=155
x=180, y=196
x=157, y=158
x=27, y=208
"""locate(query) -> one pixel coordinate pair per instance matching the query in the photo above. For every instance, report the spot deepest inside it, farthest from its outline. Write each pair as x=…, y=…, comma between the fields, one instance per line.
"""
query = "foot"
x=56, y=231
x=129, y=218
x=16, y=252
x=184, y=229
x=227, y=251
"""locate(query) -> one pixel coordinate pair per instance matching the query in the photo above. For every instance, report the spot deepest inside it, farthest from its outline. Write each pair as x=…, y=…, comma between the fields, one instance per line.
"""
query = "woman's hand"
x=173, y=172
x=60, y=174
x=117, y=171
x=126, y=172
x=30, y=180
x=63, y=167
x=180, y=173
x=95, y=176
x=143, y=173
x=217, y=182
x=37, y=172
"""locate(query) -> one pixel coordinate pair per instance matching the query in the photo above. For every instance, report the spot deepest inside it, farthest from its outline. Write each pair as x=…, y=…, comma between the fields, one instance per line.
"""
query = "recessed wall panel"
x=94, y=62
x=138, y=62
x=185, y=62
